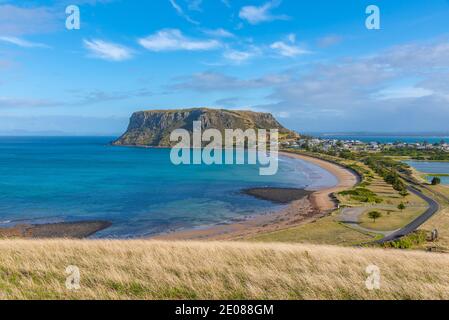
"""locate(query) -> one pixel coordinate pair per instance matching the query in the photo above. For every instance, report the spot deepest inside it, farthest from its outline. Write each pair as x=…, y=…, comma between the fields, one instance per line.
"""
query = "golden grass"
x=391, y=219
x=232, y=270
x=323, y=231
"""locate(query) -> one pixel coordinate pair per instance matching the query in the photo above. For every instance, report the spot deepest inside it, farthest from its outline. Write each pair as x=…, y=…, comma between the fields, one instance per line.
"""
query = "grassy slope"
x=391, y=220
x=161, y=270
x=441, y=220
x=324, y=231
x=330, y=231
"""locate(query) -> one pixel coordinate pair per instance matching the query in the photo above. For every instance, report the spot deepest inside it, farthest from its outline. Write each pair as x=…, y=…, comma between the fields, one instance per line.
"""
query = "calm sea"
x=54, y=179
x=432, y=167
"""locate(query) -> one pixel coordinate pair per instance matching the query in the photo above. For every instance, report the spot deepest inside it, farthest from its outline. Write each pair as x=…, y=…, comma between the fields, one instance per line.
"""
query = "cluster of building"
x=357, y=145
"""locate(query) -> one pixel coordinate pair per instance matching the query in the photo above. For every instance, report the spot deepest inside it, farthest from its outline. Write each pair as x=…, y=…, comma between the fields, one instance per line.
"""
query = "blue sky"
x=313, y=64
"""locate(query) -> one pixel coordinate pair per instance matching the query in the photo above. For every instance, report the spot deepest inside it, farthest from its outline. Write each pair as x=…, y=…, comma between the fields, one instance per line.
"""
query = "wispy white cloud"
x=237, y=56
x=256, y=15
x=214, y=81
x=174, y=40
x=22, y=42
x=288, y=48
x=181, y=12
x=219, y=33
x=376, y=92
x=15, y=20
x=240, y=56
x=107, y=50
x=403, y=93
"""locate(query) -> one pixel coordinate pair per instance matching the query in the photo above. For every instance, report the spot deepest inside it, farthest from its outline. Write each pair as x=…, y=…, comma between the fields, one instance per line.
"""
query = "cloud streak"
x=22, y=42
x=174, y=40
x=288, y=49
x=390, y=90
x=107, y=50
x=214, y=81
x=255, y=15
x=181, y=12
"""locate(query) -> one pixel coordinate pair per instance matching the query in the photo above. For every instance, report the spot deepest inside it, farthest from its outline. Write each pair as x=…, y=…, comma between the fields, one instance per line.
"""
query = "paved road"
x=433, y=208
x=351, y=217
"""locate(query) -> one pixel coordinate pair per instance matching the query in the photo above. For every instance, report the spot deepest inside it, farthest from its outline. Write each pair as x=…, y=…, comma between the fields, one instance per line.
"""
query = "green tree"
x=402, y=206
x=404, y=193
x=375, y=215
x=436, y=181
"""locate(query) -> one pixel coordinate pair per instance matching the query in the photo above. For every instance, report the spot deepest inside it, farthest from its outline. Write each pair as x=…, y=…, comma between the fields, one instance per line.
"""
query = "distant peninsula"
x=153, y=128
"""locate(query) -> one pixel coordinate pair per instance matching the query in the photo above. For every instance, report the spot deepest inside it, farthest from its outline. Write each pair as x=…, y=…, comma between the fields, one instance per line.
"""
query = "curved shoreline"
x=307, y=209
x=323, y=198
x=314, y=205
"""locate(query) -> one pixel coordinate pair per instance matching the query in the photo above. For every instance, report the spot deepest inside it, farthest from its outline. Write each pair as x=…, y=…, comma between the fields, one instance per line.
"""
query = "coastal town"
x=326, y=145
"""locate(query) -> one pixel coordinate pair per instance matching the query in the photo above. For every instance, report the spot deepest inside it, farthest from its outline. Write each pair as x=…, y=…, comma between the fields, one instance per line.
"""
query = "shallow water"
x=432, y=167
x=53, y=179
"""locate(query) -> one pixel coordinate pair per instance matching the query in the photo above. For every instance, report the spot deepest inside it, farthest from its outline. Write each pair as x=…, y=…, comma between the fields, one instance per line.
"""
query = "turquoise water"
x=70, y=179
x=432, y=167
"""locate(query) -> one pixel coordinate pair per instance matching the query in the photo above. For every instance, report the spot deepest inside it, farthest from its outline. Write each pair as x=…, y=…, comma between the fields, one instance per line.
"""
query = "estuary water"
x=432, y=167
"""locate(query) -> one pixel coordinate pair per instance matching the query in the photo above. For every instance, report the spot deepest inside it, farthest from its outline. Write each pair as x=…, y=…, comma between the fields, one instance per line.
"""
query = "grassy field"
x=192, y=270
x=324, y=231
x=330, y=230
x=441, y=220
x=391, y=219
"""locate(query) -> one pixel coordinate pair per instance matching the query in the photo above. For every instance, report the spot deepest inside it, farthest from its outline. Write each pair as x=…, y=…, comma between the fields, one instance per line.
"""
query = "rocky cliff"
x=153, y=128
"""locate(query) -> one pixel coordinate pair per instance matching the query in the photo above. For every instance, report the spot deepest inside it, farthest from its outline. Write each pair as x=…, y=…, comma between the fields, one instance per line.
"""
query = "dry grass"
x=327, y=231
x=391, y=219
x=193, y=270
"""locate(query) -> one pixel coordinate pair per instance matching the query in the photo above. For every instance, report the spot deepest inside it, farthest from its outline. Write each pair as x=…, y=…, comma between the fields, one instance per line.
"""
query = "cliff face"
x=153, y=128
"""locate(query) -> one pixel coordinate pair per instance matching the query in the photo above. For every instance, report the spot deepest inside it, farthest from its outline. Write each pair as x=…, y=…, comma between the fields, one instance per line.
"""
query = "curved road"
x=433, y=208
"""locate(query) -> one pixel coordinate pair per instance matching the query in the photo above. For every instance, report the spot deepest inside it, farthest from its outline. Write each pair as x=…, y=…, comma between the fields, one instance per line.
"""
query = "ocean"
x=63, y=179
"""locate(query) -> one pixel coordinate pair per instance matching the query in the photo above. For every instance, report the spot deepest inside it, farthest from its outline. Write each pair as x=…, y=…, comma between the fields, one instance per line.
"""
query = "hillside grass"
x=194, y=270
x=373, y=193
x=391, y=219
x=328, y=231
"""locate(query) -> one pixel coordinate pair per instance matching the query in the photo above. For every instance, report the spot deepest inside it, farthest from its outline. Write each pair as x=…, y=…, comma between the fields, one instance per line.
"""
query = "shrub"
x=436, y=181
x=414, y=239
x=362, y=195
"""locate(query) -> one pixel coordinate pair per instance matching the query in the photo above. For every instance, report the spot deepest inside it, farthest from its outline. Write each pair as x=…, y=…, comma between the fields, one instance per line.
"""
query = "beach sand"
x=347, y=179
x=308, y=209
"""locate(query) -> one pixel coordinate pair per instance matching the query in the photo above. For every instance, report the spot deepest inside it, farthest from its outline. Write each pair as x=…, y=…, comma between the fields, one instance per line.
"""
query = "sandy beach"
x=322, y=199
x=308, y=209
